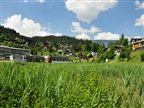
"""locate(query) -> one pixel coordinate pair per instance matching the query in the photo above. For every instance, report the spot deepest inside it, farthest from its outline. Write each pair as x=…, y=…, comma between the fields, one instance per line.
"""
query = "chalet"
x=138, y=43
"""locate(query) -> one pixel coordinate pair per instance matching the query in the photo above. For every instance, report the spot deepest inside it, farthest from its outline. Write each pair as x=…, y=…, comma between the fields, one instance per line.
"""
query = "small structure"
x=138, y=43
x=34, y=58
x=47, y=59
x=106, y=60
x=18, y=58
x=26, y=58
x=56, y=59
x=118, y=49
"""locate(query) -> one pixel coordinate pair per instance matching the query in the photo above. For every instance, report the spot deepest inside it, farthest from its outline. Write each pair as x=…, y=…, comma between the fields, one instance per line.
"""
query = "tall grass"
x=71, y=85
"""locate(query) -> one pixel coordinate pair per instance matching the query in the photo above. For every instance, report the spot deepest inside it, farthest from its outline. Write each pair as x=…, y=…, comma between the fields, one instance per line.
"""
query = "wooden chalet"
x=138, y=43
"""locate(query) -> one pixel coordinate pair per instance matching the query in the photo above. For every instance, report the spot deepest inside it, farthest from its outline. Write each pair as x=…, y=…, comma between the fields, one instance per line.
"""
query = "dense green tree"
x=94, y=47
x=111, y=44
x=125, y=53
x=74, y=47
x=33, y=51
x=84, y=47
x=122, y=41
x=142, y=57
x=100, y=49
x=125, y=42
x=111, y=52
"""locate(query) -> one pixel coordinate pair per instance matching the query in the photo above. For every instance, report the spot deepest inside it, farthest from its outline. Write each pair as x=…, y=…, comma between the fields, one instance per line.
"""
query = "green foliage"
x=101, y=58
x=89, y=55
x=10, y=37
x=100, y=49
x=125, y=53
x=77, y=85
x=111, y=52
x=142, y=57
x=111, y=44
x=33, y=51
x=107, y=55
x=122, y=41
x=74, y=47
x=94, y=47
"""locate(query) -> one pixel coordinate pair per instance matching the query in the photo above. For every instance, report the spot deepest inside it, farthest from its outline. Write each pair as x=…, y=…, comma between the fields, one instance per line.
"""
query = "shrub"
x=142, y=56
x=125, y=53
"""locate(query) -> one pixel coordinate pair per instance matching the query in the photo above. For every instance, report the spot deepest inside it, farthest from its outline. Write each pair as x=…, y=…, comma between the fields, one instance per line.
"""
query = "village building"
x=56, y=59
x=23, y=55
x=138, y=43
x=6, y=52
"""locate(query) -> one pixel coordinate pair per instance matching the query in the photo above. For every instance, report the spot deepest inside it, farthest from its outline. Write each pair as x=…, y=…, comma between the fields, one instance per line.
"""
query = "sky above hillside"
x=83, y=19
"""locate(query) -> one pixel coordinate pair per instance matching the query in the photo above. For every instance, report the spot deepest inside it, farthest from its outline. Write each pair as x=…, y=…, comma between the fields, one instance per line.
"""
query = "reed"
x=79, y=85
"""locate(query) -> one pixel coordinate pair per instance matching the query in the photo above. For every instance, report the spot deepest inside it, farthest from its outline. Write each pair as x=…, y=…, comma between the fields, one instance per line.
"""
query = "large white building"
x=6, y=51
x=23, y=55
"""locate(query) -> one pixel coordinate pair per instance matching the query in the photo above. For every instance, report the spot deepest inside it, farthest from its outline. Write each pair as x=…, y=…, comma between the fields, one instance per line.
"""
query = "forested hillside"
x=67, y=46
x=52, y=44
x=7, y=34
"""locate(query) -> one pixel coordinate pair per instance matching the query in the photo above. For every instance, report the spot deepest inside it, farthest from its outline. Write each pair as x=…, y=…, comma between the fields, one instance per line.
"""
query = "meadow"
x=72, y=85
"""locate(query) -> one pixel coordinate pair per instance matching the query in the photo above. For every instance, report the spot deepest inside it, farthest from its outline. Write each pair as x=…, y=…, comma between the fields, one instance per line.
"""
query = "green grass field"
x=73, y=85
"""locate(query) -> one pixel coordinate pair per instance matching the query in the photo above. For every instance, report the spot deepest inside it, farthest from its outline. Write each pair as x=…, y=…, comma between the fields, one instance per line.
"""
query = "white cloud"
x=26, y=26
x=83, y=36
x=76, y=28
x=139, y=5
x=87, y=10
x=140, y=21
x=41, y=1
x=57, y=34
x=137, y=36
x=25, y=1
x=128, y=38
x=107, y=36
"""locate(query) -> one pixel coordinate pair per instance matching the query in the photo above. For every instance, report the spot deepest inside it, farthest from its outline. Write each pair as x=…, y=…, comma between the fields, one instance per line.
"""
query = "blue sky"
x=85, y=19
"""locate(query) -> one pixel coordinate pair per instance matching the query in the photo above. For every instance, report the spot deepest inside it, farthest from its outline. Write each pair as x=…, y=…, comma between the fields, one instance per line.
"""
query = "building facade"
x=23, y=55
x=56, y=59
x=138, y=43
x=6, y=51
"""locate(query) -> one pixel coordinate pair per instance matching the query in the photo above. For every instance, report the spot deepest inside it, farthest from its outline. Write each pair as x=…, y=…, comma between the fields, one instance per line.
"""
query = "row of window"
x=13, y=52
x=59, y=60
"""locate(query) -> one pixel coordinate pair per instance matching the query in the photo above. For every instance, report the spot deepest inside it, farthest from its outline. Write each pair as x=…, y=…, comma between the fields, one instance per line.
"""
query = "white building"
x=23, y=55
x=18, y=58
x=138, y=43
x=6, y=51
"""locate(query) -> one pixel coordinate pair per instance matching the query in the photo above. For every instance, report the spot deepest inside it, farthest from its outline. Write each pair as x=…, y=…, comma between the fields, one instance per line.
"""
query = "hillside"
x=66, y=45
x=134, y=58
x=46, y=44
x=10, y=37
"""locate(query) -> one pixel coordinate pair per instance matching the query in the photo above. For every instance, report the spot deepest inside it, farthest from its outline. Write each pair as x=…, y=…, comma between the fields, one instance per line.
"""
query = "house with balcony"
x=138, y=43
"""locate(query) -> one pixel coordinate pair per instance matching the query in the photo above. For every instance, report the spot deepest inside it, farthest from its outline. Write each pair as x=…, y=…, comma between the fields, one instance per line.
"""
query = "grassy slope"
x=134, y=57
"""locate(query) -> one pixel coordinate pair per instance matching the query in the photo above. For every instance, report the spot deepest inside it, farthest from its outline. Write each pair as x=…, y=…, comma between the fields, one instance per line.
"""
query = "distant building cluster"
x=23, y=55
